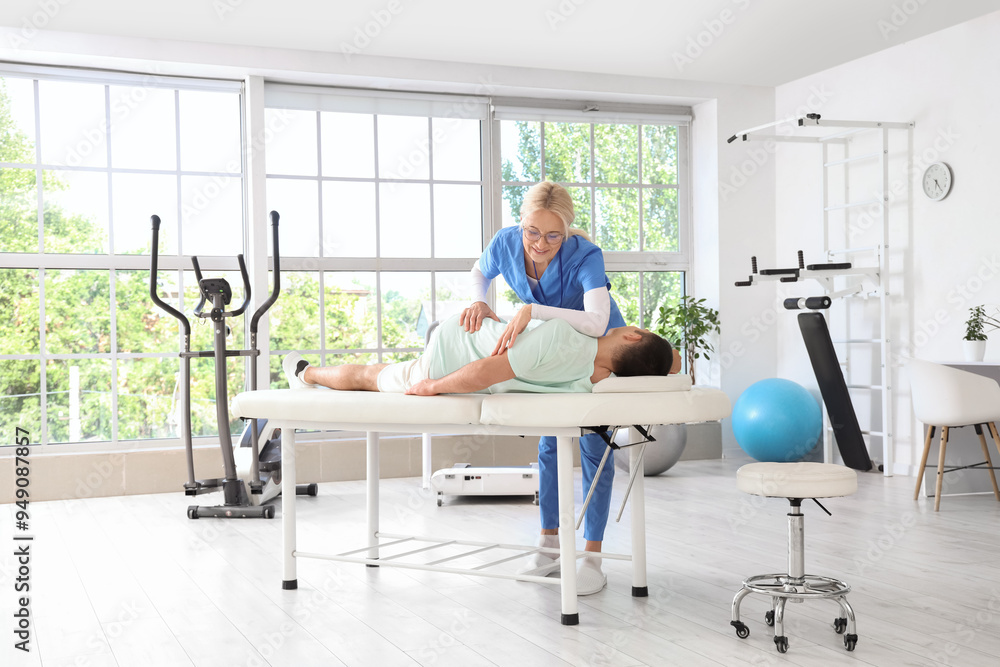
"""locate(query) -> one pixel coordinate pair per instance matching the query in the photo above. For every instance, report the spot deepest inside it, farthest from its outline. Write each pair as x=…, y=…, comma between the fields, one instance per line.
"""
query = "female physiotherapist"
x=558, y=273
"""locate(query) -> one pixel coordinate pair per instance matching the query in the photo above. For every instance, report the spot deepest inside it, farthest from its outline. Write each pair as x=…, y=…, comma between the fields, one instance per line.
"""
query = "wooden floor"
x=132, y=582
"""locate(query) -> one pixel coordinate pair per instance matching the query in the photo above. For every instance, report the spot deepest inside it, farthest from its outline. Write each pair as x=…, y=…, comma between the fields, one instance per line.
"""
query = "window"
x=381, y=201
x=386, y=201
x=85, y=159
x=390, y=209
x=627, y=180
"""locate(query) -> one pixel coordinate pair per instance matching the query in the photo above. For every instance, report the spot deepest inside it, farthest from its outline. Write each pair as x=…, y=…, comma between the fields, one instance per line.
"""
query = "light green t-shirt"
x=548, y=356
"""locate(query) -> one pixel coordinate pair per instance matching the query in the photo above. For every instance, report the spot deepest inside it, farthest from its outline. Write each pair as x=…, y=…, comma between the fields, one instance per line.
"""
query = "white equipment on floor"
x=464, y=480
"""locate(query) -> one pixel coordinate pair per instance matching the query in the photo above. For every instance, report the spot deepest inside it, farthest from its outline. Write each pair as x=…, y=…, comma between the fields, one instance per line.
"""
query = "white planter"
x=974, y=350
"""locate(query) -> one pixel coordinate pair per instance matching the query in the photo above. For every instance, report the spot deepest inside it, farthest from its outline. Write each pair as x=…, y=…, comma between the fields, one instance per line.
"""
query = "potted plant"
x=977, y=327
x=689, y=325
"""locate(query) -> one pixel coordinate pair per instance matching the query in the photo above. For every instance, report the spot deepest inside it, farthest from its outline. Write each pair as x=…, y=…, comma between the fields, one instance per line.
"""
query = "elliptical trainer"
x=237, y=503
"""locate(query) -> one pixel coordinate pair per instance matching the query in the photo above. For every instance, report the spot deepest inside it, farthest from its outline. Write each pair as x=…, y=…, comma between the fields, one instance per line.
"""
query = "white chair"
x=947, y=398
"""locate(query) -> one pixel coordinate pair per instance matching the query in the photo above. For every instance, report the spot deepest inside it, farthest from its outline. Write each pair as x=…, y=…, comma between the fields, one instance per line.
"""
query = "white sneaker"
x=590, y=578
x=293, y=365
x=543, y=563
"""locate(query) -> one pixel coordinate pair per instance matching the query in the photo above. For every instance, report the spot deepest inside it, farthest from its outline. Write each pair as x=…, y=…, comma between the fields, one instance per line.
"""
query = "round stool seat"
x=797, y=480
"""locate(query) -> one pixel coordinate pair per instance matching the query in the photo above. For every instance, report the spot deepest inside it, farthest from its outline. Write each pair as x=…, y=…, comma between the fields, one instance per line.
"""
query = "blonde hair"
x=552, y=197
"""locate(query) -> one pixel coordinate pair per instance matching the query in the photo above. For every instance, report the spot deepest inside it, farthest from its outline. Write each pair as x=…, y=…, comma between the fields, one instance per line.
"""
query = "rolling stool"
x=796, y=481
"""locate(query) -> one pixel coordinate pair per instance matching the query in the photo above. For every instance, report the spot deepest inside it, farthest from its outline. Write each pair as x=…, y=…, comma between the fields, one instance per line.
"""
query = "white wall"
x=945, y=255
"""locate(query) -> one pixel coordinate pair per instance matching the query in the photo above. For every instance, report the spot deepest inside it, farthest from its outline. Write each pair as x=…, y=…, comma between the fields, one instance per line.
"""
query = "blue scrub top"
x=577, y=268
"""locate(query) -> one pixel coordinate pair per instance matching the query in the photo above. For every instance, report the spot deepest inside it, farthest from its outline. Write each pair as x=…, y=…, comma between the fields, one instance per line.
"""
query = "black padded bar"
x=779, y=272
x=832, y=386
x=832, y=266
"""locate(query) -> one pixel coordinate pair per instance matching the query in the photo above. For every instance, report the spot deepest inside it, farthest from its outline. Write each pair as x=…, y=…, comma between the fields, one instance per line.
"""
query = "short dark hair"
x=652, y=355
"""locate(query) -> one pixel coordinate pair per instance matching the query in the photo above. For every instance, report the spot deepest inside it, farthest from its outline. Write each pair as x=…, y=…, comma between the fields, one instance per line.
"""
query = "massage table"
x=614, y=402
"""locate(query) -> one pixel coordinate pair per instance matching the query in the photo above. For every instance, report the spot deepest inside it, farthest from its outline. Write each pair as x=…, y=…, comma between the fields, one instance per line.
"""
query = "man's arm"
x=469, y=378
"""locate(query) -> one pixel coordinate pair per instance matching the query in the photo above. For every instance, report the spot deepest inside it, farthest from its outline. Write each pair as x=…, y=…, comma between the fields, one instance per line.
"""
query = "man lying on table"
x=550, y=356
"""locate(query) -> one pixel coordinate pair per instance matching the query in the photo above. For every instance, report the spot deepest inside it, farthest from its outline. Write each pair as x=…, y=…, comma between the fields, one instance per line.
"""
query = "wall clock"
x=937, y=181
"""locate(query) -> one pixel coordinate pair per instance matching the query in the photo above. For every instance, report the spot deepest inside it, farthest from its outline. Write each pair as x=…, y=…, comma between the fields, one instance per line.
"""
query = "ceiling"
x=752, y=42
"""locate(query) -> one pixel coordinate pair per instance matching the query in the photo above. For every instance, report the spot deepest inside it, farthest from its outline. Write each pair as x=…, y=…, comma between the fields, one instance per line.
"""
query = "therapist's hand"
x=516, y=325
x=472, y=317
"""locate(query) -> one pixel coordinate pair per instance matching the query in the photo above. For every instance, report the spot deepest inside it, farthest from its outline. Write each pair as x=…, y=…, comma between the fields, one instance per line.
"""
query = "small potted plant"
x=689, y=324
x=977, y=327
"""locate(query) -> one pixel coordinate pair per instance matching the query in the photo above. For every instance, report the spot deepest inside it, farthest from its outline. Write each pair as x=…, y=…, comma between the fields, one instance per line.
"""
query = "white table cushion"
x=699, y=404
x=529, y=410
x=639, y=383
x=797, y=480
x=354, y=407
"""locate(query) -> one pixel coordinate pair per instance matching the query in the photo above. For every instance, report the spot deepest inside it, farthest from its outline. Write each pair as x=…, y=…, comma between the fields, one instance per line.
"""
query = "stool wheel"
x=850, y=641
x=769, y=618
x=742, y=631
x=839, y=625
x=781, y=643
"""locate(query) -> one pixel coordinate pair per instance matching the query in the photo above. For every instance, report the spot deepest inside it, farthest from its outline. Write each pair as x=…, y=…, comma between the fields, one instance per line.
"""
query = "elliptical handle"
x=198, y=278
x=153, y=262
x=264, y=307
x=246, y=288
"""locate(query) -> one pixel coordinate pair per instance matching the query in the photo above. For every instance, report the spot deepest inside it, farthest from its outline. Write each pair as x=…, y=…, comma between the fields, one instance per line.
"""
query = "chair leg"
x=940, y=470
x=996, y=436
x=989, y=461
x=923, y=460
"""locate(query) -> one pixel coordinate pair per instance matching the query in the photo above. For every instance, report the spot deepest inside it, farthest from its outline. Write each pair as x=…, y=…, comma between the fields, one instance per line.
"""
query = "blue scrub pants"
x=591, y=450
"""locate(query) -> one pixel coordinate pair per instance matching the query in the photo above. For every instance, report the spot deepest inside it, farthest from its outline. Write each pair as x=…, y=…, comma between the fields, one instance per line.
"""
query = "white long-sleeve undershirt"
x=592, y=320
x=480, y=284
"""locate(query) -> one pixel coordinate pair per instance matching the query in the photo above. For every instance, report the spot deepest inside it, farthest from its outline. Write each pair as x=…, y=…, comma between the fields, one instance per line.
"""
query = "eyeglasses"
x=552, y=238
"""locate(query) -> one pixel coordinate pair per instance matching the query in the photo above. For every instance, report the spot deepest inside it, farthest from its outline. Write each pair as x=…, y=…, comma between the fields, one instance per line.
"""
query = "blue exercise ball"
x=777, y=420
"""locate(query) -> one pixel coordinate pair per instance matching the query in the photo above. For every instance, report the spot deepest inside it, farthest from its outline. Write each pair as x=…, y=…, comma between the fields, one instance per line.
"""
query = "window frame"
x=435, y=106
x=110, y=262
x=553, y=111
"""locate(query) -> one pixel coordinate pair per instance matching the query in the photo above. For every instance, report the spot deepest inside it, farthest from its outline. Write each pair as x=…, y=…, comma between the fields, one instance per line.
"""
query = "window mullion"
x=112, y=277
